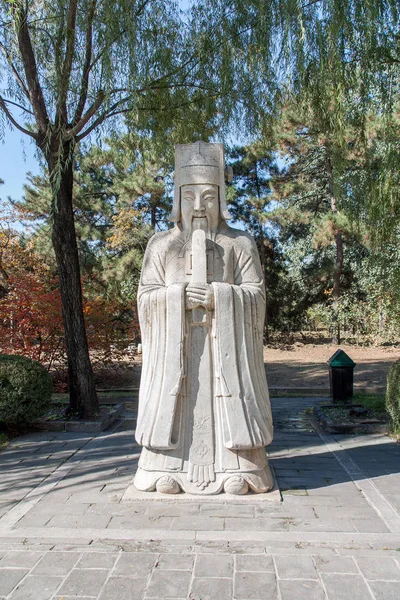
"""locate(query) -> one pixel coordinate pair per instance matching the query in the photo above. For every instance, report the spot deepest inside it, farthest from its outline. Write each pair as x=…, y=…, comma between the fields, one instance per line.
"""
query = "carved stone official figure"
x=204, y=412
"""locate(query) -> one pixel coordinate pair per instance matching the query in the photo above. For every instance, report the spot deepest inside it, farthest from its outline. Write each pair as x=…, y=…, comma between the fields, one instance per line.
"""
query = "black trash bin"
x=341, y=368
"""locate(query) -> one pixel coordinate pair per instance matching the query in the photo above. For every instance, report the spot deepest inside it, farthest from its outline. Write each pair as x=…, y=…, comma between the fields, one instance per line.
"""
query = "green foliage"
x=120, y=197
x=25, y=389
x=393, y=396
x=373, y=402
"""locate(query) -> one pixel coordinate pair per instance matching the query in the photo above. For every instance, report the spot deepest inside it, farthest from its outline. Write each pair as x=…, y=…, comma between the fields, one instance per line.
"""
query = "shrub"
x=25, y=389
x=393, y=395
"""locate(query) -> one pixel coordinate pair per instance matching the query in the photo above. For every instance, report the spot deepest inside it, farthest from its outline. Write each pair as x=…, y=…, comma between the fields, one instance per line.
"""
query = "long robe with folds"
x=204, y=411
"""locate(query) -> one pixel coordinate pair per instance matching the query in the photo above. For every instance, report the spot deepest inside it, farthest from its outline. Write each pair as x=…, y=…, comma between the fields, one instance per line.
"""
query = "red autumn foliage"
x=30, y=311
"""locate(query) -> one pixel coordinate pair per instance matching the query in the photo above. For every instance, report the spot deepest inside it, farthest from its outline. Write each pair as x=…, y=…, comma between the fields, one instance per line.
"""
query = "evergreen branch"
x=3, y=106
x=86, y=66
x=311, y=3
x=141, y=8
x=30, y=67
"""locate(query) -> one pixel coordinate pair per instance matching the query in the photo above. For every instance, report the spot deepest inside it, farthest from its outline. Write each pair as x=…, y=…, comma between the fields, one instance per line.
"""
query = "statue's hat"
x=199, y=163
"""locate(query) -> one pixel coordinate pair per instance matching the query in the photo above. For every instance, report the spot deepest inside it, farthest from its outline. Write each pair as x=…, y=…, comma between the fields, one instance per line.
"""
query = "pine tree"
x=309, y=192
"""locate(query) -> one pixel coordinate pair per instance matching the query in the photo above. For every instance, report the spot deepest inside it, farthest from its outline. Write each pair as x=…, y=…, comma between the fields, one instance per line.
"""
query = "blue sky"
x=17, y=157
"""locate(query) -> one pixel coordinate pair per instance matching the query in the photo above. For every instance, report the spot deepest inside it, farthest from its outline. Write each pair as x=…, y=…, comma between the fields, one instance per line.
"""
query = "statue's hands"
x=199, y=294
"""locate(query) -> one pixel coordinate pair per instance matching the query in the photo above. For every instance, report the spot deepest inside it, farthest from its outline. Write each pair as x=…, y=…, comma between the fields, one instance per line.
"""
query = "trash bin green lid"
x=341, y=359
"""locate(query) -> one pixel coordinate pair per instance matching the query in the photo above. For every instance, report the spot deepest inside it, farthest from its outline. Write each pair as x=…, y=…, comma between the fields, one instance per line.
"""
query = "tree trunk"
x=82, y=392
x=154, y=214
x=337, y=273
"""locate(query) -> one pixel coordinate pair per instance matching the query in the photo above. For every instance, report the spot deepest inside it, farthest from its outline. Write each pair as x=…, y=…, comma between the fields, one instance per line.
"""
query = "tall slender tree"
x=71, y=66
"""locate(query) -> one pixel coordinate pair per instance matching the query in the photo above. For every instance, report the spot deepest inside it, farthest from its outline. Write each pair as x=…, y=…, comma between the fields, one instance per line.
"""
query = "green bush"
x=25, y=389
x=393, y=395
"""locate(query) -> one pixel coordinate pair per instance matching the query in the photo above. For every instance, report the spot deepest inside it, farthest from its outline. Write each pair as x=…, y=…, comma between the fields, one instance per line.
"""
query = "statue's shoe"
x=236, y=485
x=167, y=485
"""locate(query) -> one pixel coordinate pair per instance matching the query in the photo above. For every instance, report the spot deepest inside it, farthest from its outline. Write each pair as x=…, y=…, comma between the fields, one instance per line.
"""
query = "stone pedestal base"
x=233, y=483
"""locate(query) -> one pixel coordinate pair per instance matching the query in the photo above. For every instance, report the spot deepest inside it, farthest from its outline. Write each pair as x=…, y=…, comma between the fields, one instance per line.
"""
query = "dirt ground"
x=305, y=365
x=288, y=366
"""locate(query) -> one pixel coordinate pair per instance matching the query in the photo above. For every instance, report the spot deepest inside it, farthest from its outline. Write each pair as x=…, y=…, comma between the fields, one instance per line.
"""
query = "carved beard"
x=200, y=223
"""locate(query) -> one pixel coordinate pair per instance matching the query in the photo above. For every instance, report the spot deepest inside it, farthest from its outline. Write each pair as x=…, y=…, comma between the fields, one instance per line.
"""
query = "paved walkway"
x=68, y=531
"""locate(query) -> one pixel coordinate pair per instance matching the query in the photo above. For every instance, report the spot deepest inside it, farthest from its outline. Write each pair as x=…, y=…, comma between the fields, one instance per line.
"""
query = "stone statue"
x=204, y=412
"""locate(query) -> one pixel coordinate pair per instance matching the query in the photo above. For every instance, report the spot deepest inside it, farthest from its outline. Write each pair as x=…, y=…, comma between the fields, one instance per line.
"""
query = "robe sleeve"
x=241, y=385
x=162, y=316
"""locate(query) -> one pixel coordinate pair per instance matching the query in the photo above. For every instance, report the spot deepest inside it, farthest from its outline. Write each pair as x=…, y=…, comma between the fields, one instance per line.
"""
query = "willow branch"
x=69, y=55
x=9, y=116
x=31, y=72
x=86, y=66
x=14, y=70
x=19, y=106
x=111, y=112
x=87, y=116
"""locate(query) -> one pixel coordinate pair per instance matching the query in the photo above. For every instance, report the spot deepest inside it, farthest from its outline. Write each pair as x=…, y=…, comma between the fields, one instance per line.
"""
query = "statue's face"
x=199, y=207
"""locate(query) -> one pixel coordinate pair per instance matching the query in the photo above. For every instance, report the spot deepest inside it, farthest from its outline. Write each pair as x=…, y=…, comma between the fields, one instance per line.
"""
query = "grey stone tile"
x=385, y=590
x=266, y=524
x=211, y=565
x=324, y=525
x=132, y=564
x=140, y=522
x=254, y=586
x=83, y=582
x=79, y=521
x=301, y=590
x=33, y=521
x=97, y=560
x=286, y=512
x=295, y=567
x=394, y=500
x=198, y=523
x=20, y=559
x=175, y=562
x=336, y=564
x=9, y=579
x=346, y=489
x=41, y=587
x=206, y=588
x=346, y=512
x=379, y=568
x=345, y=587
x=370, y=526
x=254, y=562
x=163, y=584
x=227, y=510
x=169, y=509
x=124, y=588
x=47, y=507
x=56, y=563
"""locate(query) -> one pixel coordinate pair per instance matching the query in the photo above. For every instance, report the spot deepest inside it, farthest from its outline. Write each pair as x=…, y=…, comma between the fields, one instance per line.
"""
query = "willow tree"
x=346, y=65
x=71, y=66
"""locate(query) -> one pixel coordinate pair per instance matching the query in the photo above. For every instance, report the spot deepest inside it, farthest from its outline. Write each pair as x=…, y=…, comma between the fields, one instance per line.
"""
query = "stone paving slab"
x=67, y=529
